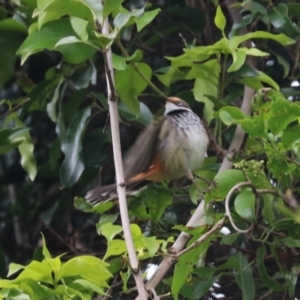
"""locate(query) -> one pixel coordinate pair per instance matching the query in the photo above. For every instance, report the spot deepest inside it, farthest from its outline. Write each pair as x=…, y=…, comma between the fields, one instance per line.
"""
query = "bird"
x=171, y=147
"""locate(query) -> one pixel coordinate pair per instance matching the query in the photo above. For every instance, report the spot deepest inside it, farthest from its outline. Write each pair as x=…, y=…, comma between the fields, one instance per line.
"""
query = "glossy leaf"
x=244, y=205
x=76, y=8
x=230, y=114
x=11, y=138
x=290, y=136
x=224, y=182
x=129, y=85
x=157, y=200
x=265, y=277
x=278, y=16
x=146, y=19
x=280, y=38
x=244, y=277
x=26, y=148
x=220, y=20
x=206, y=86
x=73, y=165
x=45, y=38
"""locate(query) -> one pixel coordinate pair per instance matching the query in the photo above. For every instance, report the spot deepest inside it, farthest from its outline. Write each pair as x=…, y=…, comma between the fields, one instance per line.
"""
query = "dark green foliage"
x=55, y=144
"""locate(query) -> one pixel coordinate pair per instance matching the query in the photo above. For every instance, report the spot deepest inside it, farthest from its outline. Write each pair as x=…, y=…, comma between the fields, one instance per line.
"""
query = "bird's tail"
x=103, y=194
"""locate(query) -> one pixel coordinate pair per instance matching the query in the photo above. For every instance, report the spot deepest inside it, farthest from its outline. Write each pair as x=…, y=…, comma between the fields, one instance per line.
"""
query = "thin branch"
x=121, y=188
x=149, y=82
x=16, y=221
x=204, y=237
x=178, y=245
x=227, y=208
x=14, y=108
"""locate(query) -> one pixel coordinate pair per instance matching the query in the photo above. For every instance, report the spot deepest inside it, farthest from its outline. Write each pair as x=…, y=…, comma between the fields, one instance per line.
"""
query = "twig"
x=14, y=108
x=178, y=245
x=149, y=82
x=121, y=188
x=16, y=221
x=227, y=209
x=60, y=238
x=204, y=237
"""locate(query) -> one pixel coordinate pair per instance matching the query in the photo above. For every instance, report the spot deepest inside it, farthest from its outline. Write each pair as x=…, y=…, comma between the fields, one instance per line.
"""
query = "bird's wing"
x=141, y=155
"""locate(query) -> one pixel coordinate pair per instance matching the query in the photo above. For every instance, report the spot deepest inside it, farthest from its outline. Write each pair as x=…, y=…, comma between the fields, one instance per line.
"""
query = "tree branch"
x=121, y=188
x=235, y=145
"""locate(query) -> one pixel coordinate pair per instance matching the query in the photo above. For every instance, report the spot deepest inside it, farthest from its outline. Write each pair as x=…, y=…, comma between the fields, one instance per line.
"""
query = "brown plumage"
x=171, y=147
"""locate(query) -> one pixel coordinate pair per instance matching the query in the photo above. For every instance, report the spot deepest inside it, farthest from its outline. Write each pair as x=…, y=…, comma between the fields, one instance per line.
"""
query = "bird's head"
x=174, y=103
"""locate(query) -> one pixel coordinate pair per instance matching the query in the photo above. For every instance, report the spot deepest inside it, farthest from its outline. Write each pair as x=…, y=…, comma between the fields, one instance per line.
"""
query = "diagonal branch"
x=121, y=188
x=235, y=146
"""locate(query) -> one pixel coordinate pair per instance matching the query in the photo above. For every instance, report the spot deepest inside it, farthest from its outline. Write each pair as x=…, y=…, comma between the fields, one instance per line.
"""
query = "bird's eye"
x=179, y=103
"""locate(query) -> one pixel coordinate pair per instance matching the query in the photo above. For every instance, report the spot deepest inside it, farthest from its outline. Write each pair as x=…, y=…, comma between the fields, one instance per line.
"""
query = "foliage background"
x=56, y=144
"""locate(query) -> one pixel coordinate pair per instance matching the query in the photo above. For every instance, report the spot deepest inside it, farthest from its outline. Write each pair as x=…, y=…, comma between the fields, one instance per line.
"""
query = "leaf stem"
x=149, y=82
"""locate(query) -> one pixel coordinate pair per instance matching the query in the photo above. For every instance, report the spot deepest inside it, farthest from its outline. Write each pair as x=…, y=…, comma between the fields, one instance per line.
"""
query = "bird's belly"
x=183, y=150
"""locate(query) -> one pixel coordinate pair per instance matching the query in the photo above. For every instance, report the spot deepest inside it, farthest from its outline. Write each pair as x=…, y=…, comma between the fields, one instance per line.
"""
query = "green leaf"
x=110, y=230
x=130, y=84
x=141, y=242
x=146, y=19
x=254, y=126
x=224, y=181
x=145, y=116
x=38, y=271
x=290, y=242
x=12, y=138
x=283, y=112
x=157, y=200
x=26, y=148
x=116, y=247
x=206, y=86
x=12, y=34
x=74, y=50
x=76, y=8
x=52, y=108
x=294, y=10
x=267, y=79
x=266, y=279
x=73, y=165
x=46, y=252
x=230, y=114
x=229, y=239
x=232, y=262
x=14, y=268
x=110, y=6
x=268, y=210
x=290, y=136
x=87, y=267
x=80, y=27
x=197, y=288
x=45, y=38
x=244, y=205
x=278, y=16
x=220, y=19
x=82, y=284
x=280, y=38
x=183, y=269
x=254, y=52
x=239, y=57
x=244, y=277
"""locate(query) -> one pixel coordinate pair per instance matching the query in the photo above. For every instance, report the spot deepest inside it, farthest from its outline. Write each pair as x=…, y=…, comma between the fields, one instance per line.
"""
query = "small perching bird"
x=171, y=147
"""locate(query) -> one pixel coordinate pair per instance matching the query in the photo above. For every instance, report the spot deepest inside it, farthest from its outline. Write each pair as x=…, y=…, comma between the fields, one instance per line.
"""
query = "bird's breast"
x=183, y=144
